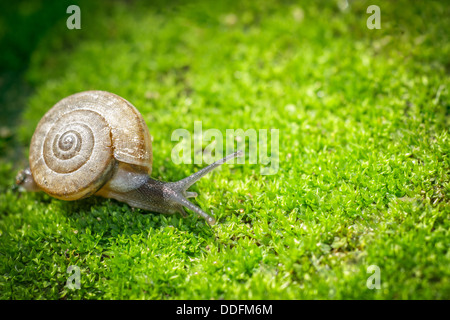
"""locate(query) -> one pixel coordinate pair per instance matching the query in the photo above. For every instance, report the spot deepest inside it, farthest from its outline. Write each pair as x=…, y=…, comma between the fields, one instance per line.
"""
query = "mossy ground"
x=363, y=117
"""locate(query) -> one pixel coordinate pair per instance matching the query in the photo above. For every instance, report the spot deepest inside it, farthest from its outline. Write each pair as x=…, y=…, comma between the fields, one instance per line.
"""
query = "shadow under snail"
x=97, y=143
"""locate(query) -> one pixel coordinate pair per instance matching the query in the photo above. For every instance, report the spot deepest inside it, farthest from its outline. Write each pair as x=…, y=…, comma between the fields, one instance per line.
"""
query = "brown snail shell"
x=75, y=144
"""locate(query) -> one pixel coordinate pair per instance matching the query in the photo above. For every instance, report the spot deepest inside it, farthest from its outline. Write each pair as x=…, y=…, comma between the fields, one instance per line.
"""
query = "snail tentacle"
x=159, y=196
x=181, y=186
x=189, y=181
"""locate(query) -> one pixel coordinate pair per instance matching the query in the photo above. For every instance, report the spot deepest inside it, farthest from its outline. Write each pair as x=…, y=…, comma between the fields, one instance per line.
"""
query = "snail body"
x=97, y=143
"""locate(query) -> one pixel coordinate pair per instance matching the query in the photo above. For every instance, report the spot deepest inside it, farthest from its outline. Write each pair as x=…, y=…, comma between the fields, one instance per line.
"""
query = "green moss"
x=364, y=144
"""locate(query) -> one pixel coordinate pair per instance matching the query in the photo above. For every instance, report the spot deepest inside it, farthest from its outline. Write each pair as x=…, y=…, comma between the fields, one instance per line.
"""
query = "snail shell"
x=76, y=144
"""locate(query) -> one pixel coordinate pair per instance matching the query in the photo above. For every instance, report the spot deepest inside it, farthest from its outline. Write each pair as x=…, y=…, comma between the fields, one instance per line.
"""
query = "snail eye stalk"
x=180, y=192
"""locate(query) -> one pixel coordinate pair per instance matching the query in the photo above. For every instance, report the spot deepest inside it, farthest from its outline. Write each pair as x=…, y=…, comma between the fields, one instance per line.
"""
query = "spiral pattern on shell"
x=79, y=140
x=74, y=157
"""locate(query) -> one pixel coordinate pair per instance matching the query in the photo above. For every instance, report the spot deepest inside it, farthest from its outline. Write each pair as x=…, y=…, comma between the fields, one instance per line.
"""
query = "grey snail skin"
x=97, y=143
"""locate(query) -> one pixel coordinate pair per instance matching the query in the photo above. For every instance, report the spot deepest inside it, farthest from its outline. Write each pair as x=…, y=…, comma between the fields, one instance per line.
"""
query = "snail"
x=97, y=143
